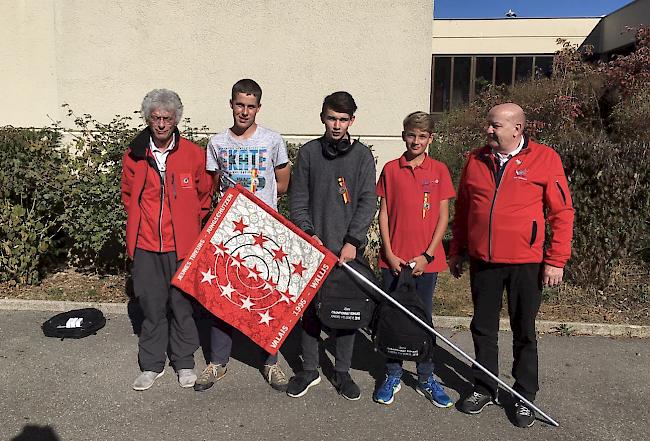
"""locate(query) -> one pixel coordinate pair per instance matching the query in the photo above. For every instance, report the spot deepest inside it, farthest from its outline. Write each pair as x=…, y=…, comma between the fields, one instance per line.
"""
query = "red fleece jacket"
x=187, y=195
x=505, y=223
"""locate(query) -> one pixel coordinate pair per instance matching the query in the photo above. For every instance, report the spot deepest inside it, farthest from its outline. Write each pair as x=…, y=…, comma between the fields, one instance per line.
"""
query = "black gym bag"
x=77, y=323
x=395, y=334
x=344, y=302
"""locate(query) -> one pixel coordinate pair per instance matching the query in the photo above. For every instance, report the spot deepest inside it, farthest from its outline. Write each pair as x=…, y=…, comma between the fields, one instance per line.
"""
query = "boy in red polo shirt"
x=414, y=192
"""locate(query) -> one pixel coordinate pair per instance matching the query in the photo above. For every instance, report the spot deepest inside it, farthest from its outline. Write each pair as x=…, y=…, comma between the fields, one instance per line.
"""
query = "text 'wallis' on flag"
x=254, y=269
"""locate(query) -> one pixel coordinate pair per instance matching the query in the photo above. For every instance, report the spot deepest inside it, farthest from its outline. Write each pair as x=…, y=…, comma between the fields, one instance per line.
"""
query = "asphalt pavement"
x=53, y=390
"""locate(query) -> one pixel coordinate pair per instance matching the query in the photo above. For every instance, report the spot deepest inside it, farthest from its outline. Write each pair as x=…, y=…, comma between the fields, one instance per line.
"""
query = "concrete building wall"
x=28, y=71
x=507, y=36
x=102, y=57
x=617, y=30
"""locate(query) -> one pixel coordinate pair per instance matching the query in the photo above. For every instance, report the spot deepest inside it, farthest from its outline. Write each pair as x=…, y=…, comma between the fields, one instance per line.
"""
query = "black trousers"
x=311, y=329
x=522, y=283
x=152, y=274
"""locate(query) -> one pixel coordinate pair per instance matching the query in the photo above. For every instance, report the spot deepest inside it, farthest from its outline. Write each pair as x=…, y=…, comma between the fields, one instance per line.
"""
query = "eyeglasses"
x=166, y=120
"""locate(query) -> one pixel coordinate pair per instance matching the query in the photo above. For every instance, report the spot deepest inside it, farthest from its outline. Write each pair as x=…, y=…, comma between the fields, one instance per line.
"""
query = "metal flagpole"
x=448, y=342
x=226, y=175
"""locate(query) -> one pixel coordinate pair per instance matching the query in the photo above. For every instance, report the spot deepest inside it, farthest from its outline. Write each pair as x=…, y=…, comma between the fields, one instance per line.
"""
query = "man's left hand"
x=552, y=275
x=348, y=253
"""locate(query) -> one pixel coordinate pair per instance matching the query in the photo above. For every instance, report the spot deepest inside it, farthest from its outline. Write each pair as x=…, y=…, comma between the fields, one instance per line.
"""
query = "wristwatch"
x=428, y=257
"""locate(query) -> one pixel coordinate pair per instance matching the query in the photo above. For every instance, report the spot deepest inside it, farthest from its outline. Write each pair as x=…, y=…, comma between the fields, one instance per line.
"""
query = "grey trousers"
x=344, y=341
x=160, y=336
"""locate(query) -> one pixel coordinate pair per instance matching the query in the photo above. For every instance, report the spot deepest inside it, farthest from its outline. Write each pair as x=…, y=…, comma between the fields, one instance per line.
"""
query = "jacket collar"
x=485, y=153
x=140, y=144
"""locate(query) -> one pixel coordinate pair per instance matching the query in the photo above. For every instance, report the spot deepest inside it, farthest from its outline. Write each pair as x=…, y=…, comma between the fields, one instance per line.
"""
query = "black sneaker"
x=301, y=382
x=475, y=402
x=346, y=386
x=524, y=415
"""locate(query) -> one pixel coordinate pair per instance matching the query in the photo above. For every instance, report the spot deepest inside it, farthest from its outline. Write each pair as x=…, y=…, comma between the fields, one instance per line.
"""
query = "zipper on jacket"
x=559, y=187
x=173, y=186
x=533, y=233
x=494, y=199
x=162, y=204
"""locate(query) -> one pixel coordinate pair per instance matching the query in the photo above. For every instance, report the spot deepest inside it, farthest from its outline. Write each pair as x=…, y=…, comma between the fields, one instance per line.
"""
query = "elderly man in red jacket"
x=509, y=190
x=166, y=194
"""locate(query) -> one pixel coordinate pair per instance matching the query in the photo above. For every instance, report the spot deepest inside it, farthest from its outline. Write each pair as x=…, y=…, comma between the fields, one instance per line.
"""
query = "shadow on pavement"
x=33, y=432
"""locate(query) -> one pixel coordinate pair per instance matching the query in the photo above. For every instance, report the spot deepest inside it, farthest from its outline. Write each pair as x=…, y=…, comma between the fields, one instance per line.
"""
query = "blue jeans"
x=425, y=285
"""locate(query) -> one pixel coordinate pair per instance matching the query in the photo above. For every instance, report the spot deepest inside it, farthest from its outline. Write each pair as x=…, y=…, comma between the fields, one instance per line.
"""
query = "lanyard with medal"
x=343, y=190
x=426, y=198
x=254, y=180
x=426, y=205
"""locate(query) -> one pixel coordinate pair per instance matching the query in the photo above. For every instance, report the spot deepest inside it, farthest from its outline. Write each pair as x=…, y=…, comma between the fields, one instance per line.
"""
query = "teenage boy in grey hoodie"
x=332, y=199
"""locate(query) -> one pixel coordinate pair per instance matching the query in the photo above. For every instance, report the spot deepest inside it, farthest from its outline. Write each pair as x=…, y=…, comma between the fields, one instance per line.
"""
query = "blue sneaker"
x=433, y=392
x=386, y=392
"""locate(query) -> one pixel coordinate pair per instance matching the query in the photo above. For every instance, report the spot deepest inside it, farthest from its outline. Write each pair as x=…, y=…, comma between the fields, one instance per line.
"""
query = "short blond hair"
x=419, y=120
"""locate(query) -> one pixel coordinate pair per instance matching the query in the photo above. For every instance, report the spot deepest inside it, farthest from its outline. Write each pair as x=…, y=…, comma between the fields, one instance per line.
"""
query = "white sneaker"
x=146, y=379
x=186, y=377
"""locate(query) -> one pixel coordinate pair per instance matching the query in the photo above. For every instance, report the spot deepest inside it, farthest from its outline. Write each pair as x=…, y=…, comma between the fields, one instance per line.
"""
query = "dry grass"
x=625, y=300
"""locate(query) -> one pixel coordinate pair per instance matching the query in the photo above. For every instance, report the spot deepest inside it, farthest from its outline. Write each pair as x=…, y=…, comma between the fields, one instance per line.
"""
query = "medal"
x=254, y=180
x=425, y=205
x=343, y=190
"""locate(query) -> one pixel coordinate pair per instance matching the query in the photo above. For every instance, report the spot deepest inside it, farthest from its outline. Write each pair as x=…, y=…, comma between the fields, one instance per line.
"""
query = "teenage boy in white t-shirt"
x=256, y=158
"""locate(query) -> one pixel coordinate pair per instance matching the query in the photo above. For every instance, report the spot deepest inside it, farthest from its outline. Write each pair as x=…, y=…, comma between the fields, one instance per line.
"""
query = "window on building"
x=462, y=79
x=441, y=84
x=503, y=73
x=543, y=66
x=484, y=75
x=455, y=80
x=523, y=68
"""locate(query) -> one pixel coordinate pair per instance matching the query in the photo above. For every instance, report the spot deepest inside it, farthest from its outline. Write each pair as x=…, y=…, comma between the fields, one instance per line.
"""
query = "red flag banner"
x=254, y=269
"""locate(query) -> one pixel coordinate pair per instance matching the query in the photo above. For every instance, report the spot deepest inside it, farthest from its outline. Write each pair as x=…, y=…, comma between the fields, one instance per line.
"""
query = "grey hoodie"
x=317, y=205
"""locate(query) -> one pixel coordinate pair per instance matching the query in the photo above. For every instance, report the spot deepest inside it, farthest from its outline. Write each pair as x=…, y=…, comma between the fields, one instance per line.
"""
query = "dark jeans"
x=152, y=274
x=425, y=286
x=221, y=344
x=311, y=329
x=522, y=283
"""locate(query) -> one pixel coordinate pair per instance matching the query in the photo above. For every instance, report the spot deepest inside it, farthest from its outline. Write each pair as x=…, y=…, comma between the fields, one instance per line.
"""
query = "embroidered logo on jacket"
x=521, y=174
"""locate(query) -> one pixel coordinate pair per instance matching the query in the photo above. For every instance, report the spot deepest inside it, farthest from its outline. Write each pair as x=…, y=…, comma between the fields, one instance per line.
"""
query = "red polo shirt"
x=413, y=198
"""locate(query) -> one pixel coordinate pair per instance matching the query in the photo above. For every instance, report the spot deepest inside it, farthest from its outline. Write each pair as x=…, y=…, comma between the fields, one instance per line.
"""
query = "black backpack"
x=395, y=334
x=77, y=323
x=344, y=302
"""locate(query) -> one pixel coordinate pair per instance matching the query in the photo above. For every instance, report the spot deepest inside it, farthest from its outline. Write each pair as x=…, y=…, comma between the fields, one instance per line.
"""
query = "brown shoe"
x=211, y=374
x=274, y=375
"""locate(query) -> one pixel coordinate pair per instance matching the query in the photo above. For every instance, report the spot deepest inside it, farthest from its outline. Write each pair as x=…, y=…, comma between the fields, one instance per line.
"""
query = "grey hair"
x=164, y=99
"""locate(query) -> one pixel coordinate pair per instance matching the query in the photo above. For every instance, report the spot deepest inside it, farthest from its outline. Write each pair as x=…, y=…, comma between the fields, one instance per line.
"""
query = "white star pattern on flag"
x=208, y=276
x=220, y=249
x=247, y=304
x=252, y=274
x=255, y=252
x=227, y=290
x=265, y=317
x=235, y=261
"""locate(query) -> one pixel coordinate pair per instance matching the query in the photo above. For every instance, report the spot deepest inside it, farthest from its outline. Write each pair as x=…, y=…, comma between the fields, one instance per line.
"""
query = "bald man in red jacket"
x=509, y=190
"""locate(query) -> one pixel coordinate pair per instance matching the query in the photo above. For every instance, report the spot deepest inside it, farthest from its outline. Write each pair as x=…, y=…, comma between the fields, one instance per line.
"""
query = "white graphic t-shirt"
x=250, y=162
